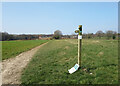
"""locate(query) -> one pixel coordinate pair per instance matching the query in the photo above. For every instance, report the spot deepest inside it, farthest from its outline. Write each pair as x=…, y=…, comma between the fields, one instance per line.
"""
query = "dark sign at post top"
x=80, y=27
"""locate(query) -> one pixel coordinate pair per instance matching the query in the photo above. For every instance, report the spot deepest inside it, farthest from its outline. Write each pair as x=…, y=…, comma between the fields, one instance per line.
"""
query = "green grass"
x=13, y=48
x=51, y=63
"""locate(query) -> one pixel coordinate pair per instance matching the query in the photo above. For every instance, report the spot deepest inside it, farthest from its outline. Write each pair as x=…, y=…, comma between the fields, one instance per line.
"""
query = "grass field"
x=13, y=48
x=51, y=63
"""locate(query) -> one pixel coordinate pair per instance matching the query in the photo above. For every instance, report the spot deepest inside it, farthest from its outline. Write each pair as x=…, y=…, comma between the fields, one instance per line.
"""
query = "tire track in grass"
x=12, y=68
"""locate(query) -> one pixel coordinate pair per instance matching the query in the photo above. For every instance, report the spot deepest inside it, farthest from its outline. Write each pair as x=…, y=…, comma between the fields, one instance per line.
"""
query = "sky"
x=46, y=17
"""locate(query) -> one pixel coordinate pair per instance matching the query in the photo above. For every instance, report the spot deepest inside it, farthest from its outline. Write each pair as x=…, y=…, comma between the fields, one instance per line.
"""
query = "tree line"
x=4, y=36
x=100, y=34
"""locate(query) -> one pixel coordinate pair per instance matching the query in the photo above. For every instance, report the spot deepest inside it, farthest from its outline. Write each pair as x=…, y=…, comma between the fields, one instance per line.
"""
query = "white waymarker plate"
x=73, y=69
x=79, y=36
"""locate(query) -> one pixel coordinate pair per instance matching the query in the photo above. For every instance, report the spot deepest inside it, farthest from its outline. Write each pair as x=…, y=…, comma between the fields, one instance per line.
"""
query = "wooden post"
x=79, y=52
x=79, y=43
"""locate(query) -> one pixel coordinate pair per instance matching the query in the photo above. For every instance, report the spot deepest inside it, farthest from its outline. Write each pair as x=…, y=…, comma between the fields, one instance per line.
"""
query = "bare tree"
x=99, y=33
x=111, y=34
x=57, y=34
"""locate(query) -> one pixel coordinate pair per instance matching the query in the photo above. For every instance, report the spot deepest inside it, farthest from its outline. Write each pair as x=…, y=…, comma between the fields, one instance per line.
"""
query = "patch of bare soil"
x=66, y=47
x=100, y=53
x=97, y=41
x=12, y=68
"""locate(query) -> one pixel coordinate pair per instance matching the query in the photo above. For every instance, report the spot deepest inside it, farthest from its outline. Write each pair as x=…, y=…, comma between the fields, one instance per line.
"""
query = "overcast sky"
x=46, y=17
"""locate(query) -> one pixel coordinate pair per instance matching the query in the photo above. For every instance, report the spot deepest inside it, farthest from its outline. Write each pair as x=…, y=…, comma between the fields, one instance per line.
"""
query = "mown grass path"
x=12, y=67
x=14, y=48
x=51, y=63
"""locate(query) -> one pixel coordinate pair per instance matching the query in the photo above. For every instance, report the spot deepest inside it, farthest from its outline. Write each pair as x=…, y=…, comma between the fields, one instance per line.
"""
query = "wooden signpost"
x=75, y=68
x=79, y=43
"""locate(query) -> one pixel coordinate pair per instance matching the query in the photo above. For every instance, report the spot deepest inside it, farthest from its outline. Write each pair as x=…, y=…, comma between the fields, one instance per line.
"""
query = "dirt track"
x=12, y=68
